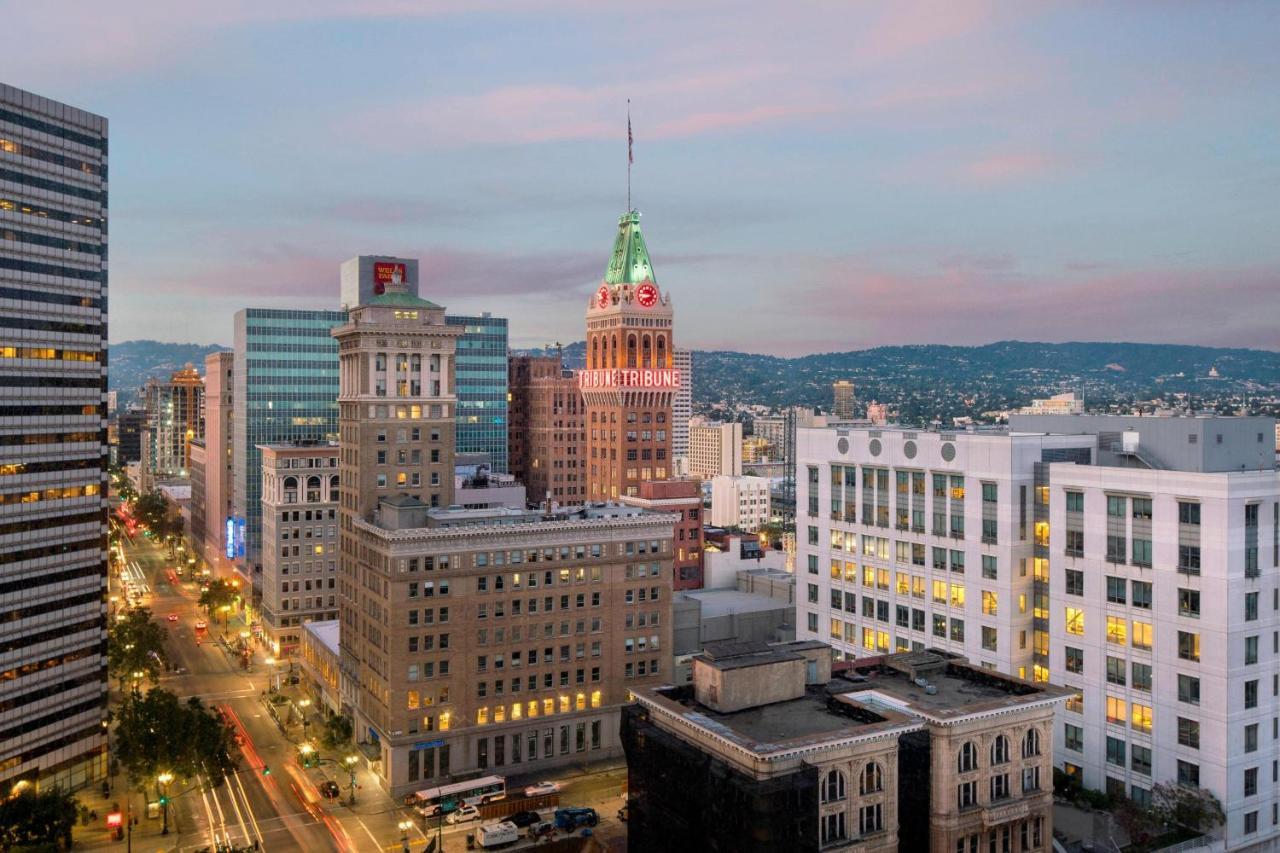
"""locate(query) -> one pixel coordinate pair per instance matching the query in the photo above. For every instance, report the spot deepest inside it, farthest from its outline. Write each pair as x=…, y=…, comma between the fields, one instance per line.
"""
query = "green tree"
x=1194, y=809
x=337, y=732
x=157, y=732
x=136, y=643
x=220, y=593
x=152, y=510
x=37, y=820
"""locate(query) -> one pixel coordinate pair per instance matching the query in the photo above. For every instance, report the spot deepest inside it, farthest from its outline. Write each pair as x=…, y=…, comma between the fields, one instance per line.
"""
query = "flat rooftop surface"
x=721, y=602
x=960, y=689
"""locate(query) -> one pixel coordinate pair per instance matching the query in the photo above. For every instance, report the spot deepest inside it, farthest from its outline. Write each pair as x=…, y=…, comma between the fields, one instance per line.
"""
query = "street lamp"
x=350, y=761
x=306, y=750
x=304, y=704
x=164, y=779
x=405, y=826
x=226, y=610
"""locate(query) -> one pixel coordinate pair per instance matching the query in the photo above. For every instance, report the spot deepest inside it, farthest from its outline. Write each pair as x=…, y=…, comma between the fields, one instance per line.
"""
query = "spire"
x=629, y=263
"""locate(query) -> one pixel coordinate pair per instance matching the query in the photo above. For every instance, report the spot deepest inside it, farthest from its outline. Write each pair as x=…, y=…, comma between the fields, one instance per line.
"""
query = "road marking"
x=372, y=837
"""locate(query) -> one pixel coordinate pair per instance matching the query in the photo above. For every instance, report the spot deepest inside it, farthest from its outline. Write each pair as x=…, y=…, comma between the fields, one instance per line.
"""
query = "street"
x=272, y=799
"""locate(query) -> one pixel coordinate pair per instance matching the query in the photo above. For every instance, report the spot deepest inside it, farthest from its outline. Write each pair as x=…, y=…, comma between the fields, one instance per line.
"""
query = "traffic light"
x=164, y=801
x=266, y=770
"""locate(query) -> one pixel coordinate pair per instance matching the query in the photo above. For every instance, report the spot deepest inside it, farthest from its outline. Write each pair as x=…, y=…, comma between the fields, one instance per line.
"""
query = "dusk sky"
x=813, y=176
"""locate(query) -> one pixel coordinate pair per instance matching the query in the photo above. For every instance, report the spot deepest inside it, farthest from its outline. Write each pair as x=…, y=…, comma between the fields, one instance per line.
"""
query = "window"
x=1251, y=783
x=1115, y=590
x=1142, y=632
x=1189, y=603
x=1115, y=548
x=1188, y=645
x=1250, y=606
x=872, y=779
x=1074, y=660
x=1141, y=676
x=989, y=639
x=1141, y=594
x=1251, y=737
x=1030, y=781
x=990, y=602
x=1115, y=506
x=1115, y=751
x=1075, y=543
x=1075, y=621
x=1031, y=743
x=833, y=791
x=989, y=567
x=1075, y=582
x=1000, y=750
x=1188, y=732
x=1189, y=559
x=968, y=758
x=1251, y=650
x=1141, y=717
x=1251, y=822
x=1251, y=693
x=1073, y=737
x=1117, y=630
x=833, y=827
x=1116, y=671
x=1188, y=689
x=1075, y=501
x=999, y=787
x=870, y=819
x=966, y=794
x=1117, y=711
x=1140, y=760
x=1188, y=513
x=1188, y=774
x=1142, y=552
x=1142, y=508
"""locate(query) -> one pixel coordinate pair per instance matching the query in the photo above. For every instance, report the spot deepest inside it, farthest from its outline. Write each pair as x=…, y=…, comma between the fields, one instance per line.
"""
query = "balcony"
x=1005, y=811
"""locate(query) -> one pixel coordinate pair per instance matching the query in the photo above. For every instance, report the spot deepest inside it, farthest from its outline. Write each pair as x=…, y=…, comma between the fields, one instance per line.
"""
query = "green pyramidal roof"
x=629, y=263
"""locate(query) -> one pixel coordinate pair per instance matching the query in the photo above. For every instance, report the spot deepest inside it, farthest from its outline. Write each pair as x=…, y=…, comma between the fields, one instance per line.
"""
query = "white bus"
x=447, y=798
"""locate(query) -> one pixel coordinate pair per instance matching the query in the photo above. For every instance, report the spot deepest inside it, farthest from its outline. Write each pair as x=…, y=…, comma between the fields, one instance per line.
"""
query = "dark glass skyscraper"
x=482, y=387
x=53, y=441
x=285, y=388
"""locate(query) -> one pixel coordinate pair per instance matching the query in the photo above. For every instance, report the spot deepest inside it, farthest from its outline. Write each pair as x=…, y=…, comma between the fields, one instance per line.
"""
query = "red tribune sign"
x=656, y=378
x=384, y=273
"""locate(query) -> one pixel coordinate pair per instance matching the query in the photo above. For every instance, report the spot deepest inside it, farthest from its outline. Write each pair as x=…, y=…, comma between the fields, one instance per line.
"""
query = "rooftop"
x=722, y=602
x=325, y=632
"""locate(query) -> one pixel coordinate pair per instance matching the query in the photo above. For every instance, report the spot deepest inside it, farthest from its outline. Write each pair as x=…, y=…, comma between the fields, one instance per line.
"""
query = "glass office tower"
x=285, y=388
x=481, y=383
x=53, y=442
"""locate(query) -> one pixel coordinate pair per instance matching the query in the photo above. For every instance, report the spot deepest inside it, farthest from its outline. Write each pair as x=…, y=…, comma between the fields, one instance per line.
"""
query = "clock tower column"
x=629, y=382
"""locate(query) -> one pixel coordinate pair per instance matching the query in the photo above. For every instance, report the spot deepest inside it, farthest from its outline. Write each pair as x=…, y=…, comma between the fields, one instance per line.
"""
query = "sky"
x=813, y=176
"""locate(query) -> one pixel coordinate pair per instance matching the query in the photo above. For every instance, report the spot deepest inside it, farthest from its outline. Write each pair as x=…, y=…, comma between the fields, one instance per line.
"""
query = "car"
x=173, y=617
x=200, y=626
x=542, y=788
x=523, y=819
x=329, y=789
x=571, y=819
x=463, y=815
x=542, y=829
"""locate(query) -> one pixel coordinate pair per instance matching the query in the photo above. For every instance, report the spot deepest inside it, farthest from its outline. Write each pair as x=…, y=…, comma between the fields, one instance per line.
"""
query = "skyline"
x=1050, y=173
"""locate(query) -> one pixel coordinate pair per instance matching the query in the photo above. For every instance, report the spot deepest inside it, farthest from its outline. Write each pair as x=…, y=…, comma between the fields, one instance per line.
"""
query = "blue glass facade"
x=481, y=381
x=285, y=389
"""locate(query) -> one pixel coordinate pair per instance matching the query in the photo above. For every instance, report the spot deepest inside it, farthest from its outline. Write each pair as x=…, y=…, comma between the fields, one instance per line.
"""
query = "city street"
x=281, y=810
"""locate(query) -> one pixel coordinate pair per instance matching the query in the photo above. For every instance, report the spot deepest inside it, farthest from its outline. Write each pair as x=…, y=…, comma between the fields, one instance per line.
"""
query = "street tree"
x=158, y=733
x=135, y=644
x=152, y=510
x=37, y=820
x=221, y=593
x=337, y=732
x=1194, y=809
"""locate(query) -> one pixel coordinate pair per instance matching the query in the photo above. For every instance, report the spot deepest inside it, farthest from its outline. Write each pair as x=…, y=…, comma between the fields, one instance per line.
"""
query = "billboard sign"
x=646, y=378
x=385, y=273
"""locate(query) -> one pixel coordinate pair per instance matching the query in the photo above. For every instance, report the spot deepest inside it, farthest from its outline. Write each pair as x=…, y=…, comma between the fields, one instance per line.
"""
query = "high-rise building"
x=173, y=420
x=684, y=499
x=842, y=400
x=715, y=448
x=130, y=424
x=284, y=388
x=1122, y=557
x=548, y=430
x=629, y=383
x=53, y=441
x=682, y=409
x=214, y=535
x=482, y=387
x=300, y=539
x=741, y=502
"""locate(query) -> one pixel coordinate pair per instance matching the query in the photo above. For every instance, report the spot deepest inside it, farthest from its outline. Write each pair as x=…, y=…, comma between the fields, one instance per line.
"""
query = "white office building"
x=1133, y=559
x=715, y=448
x=741, y=502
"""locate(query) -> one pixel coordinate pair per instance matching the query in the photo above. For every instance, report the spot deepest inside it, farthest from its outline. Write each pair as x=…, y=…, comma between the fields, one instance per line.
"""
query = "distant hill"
x=921, y=382
x=132, y=363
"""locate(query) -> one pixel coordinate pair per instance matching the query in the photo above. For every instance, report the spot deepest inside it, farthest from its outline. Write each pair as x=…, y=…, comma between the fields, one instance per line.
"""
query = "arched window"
x=631, y=351
x=968, y=758
x=313, y=490
x=646, y=351
x=333, y=487
x=833, y=788
x=1000, y=750
x=1031, y=743
x=872, y=779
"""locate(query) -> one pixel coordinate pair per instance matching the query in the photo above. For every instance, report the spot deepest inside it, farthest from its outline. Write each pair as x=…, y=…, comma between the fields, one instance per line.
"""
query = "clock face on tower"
x=602, y=296
x=647, y=295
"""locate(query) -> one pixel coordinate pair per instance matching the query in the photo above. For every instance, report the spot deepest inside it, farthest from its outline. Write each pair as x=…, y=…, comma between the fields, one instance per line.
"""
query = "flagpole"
x=628, y=155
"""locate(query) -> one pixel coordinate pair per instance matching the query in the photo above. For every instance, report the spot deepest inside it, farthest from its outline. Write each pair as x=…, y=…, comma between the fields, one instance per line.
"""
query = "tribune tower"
x=629, y=383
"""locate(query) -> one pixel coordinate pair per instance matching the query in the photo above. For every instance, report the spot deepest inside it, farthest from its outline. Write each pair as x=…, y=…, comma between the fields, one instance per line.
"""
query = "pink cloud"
x=1010, y=167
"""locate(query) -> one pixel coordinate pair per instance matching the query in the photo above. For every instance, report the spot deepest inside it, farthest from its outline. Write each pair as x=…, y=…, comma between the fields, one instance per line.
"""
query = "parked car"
x=463, y=815
x=541, y=829
x=571, y=819
x=200, y=626
x=329, y=789
x=542, y=788
x=173, y=617
x=523, y=819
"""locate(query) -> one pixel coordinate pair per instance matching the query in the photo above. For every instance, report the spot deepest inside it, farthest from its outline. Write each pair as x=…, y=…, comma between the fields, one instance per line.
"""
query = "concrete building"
x=481, y=377
x=773, y=429
x=130, y=424
x=215, y=537
x=319, y=659
x=905, y=752
x=732, y=553
x=630, y=383
x=198, y=513
x=173, y=410
x=761, y=607
x=715, y=448
x=684, y=499
x=477, y=486
x=741, y=502
x=1069, y=403
x=842, y=399
x=755, y=450
x=548, y=430
x=299, y=539
x=1073, y=549
x=682, y=411
x=53, y=441
x=284, y=388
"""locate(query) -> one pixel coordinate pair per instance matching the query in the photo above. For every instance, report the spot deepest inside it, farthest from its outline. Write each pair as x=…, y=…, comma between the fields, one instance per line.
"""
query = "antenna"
x=630, y=156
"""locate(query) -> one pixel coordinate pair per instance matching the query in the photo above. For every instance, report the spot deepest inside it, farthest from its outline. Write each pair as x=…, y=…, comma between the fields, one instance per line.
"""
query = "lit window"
x=1075, y=621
